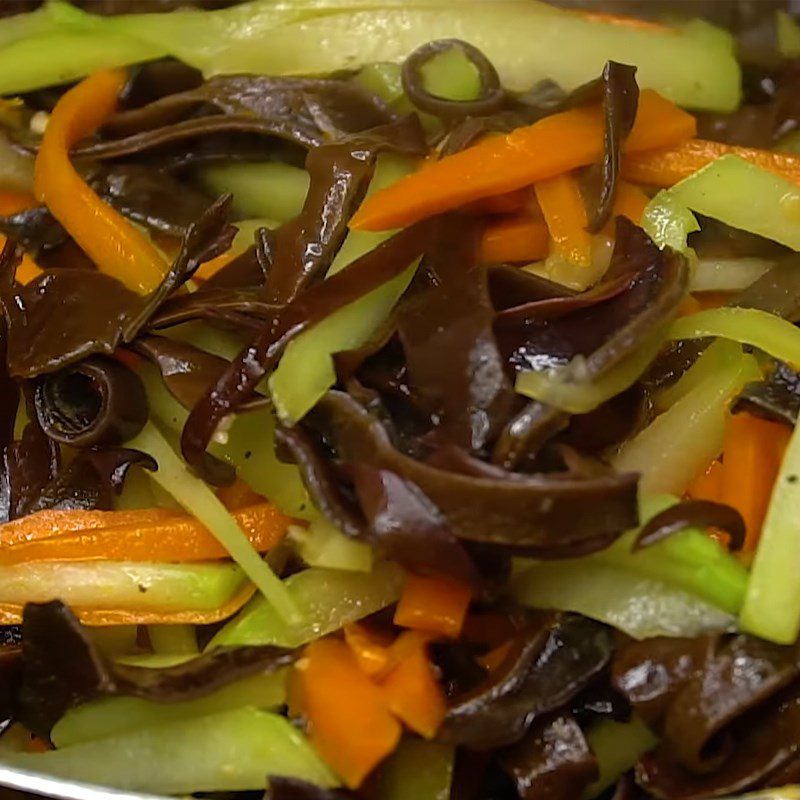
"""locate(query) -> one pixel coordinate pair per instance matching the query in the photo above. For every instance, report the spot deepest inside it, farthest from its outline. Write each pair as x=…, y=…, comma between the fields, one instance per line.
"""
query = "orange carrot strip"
x=11, y=614
x=667, y=166
x=494, y=658
x=371, y=651
x=515, y=240
x=707, y=486
x=630, y=202
x=619, y=19
x=436, y=605
x=565, y=214
x=689, y=305
x=412, y=692
x=11, y=203
x=210, y=268
x=115, y=246
x=171, y=538
x=350, y=724
x=497, y=165
x=752, y=456
x=238, y=495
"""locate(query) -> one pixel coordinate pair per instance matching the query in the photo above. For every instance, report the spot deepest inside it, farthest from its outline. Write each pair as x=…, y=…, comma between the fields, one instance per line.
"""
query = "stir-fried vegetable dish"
x=398, y=398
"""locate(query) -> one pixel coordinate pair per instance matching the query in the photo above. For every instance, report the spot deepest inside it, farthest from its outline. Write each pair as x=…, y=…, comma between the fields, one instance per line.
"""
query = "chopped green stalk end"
x=617, y=747
x=680, y=443
x=175, y=640
x=668, y=223
x=788, y=35
x=772, y=605
x=260, y=189
x=115, y=584
x=323, y=545
x=417, y=770
x=228, y=751
x=571, y=387
x=382, y=79
x=727, y=274
x=452, y=76
x=198, y=499
x=719, y=354
x=110, y=716
x=716, y=191
x=773, y=335
x=306, y=370
x=329, y=598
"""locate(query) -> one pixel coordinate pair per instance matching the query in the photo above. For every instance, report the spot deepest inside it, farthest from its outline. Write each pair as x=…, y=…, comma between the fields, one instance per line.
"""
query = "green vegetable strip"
x=680, y=443
x=775, y=336
x=668, y=223
x=617, y=747
x=452, y=75
x=228, y=751
x=693, y=64
x=173, y=639
x=306, y=370
x=567, y=389
x=111, y=716
x=323, y=545
x=330, y=599
x=417, y=770
x=113, y=584
x=772, y=605
x=196, y=497
x=788, y=35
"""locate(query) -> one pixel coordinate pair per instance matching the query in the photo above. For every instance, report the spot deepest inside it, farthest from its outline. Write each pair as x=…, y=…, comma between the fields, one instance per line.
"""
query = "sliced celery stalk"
x=329, y=599
x=25, y=26
x=668, y=223
x=417, y=770
x=198, y=499
x=452, y=75
x=680, y=443
x=382, y=79
x=693, y=64
x=777, y=337
x=110, y=716
x=306, y=370
x=229, y=751
x=175, y=640
x=717, y=191
x=727, y=274
x=323, y=545
x=112, y=584
x=772, y=606
x=617, y=747
x=260, y=189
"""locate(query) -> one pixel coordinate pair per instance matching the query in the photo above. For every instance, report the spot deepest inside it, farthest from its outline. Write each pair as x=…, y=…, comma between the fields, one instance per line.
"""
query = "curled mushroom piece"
x=492, y=95
x=98, y=401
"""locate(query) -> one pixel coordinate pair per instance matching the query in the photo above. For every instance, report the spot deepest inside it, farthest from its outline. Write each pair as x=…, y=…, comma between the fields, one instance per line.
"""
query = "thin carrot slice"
x=516, y=240
x=172, y=537
x=11, y=614
x=552, y=146
x=622, y=20
x=708, y=485
x=752, y=456
x=565, y=214
x=238, y=495
x=371, y=650
x=630, y=202
x=689, y=305
x=115, y=246
x=411, y=690
x=11, y=203
x=350, y=724
x=667, y=166
x=436, y=605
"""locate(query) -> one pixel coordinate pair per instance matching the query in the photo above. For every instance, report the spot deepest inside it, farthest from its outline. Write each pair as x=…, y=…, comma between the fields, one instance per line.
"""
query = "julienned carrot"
x=115, y=246
x=689, y=305
x=350, y=724
x=238, y=495
x=11, y=614
x=554, y=145
x=565, y=214
x=371, y=650
x=436, y=605
x=667, y=166
x=520, y=239
x=708, y=485
x=752, y=456
x=411, y=690
x=630, y=202
x=149, y=535
x=11, y=203
x=618, y=19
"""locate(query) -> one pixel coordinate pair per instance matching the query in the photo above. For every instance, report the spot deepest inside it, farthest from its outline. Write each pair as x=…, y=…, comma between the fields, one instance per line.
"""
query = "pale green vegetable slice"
x=112, y=584
x=417, y=770
x=323, y=545
x=175, y=640
x=110, y=716
x=680, y=443
x=228, y=751
x=727, y=274
x=329, y=600
x=668, y=223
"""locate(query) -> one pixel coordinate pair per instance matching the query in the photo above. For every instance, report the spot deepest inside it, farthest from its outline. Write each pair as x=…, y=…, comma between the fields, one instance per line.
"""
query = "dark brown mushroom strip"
x=776, y=397
x=492, y=96
x=31, y=464
x=261, y=355
x=453, y=361
x=693, y=514
x=548, y=665
x=156, y=79
x=546, y=515
x=98, y=401
x=62, y=667
x=294, y=789
x=552, y=762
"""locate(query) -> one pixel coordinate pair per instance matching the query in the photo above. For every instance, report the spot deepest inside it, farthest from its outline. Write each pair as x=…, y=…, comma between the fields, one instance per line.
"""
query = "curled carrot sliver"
x=113, y=243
